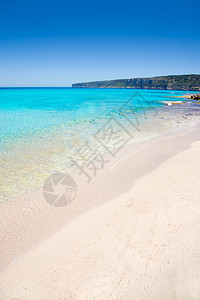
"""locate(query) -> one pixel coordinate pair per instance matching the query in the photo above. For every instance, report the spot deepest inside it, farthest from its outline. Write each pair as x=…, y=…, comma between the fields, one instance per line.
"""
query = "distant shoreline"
x=171, y=82
x=92, y=88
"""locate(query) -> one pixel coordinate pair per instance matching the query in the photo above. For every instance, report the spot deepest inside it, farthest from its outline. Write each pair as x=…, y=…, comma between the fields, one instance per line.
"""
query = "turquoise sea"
x=41, y=128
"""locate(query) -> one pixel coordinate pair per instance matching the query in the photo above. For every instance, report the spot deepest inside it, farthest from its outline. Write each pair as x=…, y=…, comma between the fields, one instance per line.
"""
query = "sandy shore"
x=141, y=244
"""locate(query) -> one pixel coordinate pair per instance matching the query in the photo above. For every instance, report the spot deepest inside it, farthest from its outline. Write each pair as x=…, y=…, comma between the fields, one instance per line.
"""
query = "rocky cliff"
x=171, y=82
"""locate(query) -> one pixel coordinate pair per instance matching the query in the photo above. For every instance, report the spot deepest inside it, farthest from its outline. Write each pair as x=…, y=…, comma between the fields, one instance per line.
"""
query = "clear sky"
x=57, y=43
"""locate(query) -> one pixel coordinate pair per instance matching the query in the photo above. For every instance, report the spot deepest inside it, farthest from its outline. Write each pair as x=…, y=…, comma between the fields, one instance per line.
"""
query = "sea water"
x=43, y=129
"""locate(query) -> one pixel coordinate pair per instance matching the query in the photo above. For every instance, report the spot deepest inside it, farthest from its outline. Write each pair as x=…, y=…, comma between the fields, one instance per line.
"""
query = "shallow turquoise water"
x=41, y=127
x=25, y=111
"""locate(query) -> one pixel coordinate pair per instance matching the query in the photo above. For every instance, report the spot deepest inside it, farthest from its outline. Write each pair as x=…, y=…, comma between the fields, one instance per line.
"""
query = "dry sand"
x=143, y=244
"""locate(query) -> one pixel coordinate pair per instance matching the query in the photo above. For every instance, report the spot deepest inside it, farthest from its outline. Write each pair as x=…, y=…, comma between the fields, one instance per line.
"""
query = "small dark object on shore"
x=195, y=97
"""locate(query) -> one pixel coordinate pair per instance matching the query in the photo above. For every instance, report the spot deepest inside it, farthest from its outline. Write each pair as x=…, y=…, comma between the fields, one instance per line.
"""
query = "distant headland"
x=171, y=82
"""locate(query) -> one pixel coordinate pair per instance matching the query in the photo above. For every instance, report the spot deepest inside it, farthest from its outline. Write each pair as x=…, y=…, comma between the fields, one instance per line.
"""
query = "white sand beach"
x=99, y=150
x=142, y=244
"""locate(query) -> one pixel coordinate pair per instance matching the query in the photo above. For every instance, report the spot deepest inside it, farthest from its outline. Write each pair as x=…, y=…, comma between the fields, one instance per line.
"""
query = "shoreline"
x=142, y=242
x=29, y=156
x=28, y=220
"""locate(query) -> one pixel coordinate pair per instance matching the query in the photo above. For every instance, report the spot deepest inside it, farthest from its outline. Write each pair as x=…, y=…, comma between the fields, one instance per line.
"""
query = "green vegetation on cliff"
x=171, y=82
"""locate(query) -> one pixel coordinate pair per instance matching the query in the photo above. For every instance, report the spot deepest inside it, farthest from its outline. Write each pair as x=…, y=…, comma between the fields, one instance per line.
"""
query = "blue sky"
x=56, y=43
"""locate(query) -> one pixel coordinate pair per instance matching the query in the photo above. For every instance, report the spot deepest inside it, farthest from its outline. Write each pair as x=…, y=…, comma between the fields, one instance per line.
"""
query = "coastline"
x=123, y=244
x=169, y=82
x=99, y=151
x=28, y=219
x=55, y=130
